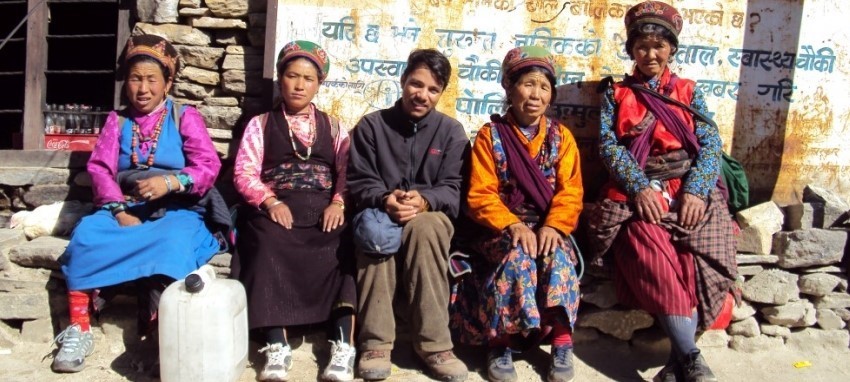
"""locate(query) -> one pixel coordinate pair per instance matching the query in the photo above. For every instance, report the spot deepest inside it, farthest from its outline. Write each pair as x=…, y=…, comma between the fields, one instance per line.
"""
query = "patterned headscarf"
x=654, y=12
x=523, y=57
x=155, y=47
x=308, y=50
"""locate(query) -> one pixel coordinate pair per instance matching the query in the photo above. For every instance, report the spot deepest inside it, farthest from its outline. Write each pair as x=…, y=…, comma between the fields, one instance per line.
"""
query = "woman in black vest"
x=292, y=253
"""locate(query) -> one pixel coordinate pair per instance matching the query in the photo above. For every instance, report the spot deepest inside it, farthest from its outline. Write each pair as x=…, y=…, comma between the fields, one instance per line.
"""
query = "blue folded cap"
x=376, y=233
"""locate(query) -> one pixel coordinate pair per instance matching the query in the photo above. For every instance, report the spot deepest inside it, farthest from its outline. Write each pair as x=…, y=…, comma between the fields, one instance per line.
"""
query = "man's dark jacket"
x=388, y=150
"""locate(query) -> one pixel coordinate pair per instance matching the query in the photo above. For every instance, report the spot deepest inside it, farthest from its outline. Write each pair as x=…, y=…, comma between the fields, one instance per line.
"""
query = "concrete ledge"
x=44, y=158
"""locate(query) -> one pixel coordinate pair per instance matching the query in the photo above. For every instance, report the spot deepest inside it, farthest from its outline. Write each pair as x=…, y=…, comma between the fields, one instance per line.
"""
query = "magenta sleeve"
x=202, y=163
x=103, y=164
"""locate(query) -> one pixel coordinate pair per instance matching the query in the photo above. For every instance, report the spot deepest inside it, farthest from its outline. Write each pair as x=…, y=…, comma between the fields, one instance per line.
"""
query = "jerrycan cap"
x=194, y=283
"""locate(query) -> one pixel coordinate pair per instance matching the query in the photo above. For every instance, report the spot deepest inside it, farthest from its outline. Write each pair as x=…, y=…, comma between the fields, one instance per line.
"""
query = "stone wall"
x=221, y=47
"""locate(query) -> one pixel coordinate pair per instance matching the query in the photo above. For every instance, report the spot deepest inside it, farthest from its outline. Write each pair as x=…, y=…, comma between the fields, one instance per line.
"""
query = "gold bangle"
x=339, y=203
x=275, y=203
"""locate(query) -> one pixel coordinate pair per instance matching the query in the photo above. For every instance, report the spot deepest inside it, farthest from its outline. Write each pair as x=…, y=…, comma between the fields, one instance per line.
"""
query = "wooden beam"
x=126, y=15
x=35, y=83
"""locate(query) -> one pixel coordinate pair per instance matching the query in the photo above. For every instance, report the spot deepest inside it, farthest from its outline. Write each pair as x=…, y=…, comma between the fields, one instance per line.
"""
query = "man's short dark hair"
x=431, y=59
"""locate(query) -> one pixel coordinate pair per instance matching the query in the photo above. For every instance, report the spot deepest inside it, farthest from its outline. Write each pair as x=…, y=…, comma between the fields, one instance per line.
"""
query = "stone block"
x=188, y=101
x=242, y=49
x=617, y=323
x=25, y=176
x=46, y=194
x=602, y=294
x=834, y=300
x=37, y=331
x=750, y=270
x=217, y=23
x=201, y=56
x=794, y=314
x=193, y=91
x=26, y=304
x=176, y=33
x=829, y=320
x=844, y=313
x=748, y=327
x=810, y=247
x=767, y=214
x=237, y=81
x=745, y=259
x=220, y=117
x=775, y=330
x=10, y=238
x=228, y=8
x=200, y=76
x=161, y=11
x=834, y=206
x=220, y=134
x=231, y=37
x=818, y=284
x=773, y=286
x=757, y=239
x=221, y=101
x=755, y=344
x=223, y=148
x=586, y=335
x=190, y=3
x=810, y=340
x=823, y=269
x=194, y=12
x=243, y=62
x=41, y=252
x=742, y=311
x=713, y=339
x=803, y=216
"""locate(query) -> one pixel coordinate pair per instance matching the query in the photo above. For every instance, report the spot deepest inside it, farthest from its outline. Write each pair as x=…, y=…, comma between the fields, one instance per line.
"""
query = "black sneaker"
x=500, y=365
x=562, y=369
x=696, y=369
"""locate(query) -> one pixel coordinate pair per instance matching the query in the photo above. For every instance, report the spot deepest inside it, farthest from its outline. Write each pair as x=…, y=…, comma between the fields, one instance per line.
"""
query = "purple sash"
x=640, y=146
x=530, y=180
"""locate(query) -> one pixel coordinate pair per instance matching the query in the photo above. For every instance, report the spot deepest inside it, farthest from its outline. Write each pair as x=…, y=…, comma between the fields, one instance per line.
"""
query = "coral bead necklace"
x=153, y=138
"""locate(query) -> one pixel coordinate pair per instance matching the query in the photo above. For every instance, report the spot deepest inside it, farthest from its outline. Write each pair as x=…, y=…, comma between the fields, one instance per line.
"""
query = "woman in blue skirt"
x=152, y=169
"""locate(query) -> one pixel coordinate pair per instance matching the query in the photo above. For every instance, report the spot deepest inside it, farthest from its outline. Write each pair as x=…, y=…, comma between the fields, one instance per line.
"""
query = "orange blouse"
x=486, y=207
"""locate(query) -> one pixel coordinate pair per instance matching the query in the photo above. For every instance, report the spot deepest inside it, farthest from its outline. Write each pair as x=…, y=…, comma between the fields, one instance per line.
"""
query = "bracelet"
x=167, y=183
x=115, y=207
x=339, y=203
x=276, y=203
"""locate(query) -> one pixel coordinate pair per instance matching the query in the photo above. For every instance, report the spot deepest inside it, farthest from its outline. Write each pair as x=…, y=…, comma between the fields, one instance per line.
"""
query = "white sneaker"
x=278, y=362
x=341, y=367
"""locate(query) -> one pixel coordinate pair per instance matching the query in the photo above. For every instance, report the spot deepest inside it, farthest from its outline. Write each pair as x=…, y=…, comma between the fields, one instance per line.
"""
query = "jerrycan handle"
x=196, y=280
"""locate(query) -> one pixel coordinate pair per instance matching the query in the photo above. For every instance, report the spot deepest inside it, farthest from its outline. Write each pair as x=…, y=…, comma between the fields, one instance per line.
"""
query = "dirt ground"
x=599, y=360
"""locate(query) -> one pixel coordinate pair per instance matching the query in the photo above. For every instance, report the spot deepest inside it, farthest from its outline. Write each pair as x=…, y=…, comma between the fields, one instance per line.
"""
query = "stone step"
x=42, y=252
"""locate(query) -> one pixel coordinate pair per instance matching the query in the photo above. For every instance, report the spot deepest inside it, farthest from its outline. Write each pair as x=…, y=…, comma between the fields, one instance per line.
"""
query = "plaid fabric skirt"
x=712, y=245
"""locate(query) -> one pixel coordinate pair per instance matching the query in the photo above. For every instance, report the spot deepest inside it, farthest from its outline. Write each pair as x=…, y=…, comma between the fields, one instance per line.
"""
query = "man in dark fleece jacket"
x=406, y=161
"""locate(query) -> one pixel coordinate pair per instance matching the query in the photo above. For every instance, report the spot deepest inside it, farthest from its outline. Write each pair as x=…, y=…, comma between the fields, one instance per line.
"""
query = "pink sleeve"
x=249, y=164
x=202, y=163
x=341, y=146
x=103, y=163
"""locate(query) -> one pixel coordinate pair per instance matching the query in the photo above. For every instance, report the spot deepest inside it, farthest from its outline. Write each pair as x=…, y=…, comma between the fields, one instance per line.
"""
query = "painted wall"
x=774, y=71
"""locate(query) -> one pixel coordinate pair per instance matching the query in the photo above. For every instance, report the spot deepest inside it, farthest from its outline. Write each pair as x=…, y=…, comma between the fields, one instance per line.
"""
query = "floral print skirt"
x=509, y=293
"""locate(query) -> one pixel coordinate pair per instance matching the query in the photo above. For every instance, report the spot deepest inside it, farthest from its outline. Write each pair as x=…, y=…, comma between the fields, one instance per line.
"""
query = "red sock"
x=78, y=304
x=562, y=335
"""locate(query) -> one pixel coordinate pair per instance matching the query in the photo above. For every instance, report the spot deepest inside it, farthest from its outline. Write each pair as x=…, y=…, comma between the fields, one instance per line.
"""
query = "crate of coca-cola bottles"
x=72, y=127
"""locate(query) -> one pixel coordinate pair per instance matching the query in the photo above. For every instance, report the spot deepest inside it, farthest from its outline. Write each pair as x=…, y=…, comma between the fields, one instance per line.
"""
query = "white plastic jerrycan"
x=203, y=329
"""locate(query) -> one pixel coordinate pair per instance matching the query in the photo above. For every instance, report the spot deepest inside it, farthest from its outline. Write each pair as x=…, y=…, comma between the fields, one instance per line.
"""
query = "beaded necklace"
x=137, y=136
x=292, y=141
